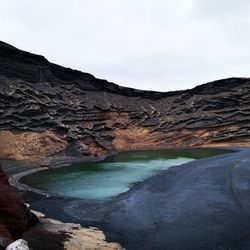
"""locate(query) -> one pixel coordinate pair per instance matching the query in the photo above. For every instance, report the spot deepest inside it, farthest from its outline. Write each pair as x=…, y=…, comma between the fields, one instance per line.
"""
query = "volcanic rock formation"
x=14, y=216
x=46, y=109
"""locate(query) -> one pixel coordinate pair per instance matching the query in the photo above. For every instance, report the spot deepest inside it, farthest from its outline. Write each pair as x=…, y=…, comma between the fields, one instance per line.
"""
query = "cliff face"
x=46, y=109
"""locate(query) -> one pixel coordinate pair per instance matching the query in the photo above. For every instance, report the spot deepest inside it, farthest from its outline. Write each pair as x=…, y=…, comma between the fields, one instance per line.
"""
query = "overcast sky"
x=147, y=44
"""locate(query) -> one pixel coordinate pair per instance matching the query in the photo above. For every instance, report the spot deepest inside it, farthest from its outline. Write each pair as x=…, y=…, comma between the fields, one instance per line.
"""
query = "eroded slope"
x=46, y=109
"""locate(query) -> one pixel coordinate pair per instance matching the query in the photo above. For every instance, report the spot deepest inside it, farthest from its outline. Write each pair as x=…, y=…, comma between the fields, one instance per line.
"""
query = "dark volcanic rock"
x=89, y=116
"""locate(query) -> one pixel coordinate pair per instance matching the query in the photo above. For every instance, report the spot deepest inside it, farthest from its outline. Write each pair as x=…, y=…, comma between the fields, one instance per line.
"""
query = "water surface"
x=113, y=176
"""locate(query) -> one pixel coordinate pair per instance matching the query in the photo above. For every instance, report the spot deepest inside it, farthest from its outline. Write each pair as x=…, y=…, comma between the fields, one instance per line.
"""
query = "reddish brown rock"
x=30, y=145
x=13, y=218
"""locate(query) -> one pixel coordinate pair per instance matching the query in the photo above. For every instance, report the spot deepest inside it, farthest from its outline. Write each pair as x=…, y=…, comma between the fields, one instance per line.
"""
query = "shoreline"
x=14, y=181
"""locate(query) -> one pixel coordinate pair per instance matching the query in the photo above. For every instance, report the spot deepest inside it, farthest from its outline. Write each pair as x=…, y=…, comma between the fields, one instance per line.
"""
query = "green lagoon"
x=113, y=176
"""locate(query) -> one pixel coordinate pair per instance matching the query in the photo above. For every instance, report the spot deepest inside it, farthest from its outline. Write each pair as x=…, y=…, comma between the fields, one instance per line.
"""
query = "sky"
x=158, y=45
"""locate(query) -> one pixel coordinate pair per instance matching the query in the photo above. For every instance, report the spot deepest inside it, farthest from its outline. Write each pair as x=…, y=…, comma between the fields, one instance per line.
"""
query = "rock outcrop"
x=14, y=215
x=46, y=109
x=51, y=234
x=18, y=245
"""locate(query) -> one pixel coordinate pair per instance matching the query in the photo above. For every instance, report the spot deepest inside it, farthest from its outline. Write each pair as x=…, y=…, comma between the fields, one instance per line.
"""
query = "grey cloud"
x=160, y=44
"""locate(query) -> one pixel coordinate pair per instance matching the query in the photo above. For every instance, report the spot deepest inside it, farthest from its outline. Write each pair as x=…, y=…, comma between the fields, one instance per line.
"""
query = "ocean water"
x=113, y=176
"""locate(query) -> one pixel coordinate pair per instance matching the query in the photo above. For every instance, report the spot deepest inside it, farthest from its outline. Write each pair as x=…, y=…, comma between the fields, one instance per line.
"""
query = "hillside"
x=46, y=110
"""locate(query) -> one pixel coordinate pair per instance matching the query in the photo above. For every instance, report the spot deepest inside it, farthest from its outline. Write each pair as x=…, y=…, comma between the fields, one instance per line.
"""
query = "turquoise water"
x=113, y=176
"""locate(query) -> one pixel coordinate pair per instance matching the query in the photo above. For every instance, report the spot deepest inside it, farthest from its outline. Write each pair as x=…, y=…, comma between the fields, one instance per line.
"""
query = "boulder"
x=18, y=245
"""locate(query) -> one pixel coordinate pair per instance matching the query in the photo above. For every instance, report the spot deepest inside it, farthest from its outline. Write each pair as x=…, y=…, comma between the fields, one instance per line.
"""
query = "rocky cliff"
x=14, y=216
x=46, y=109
